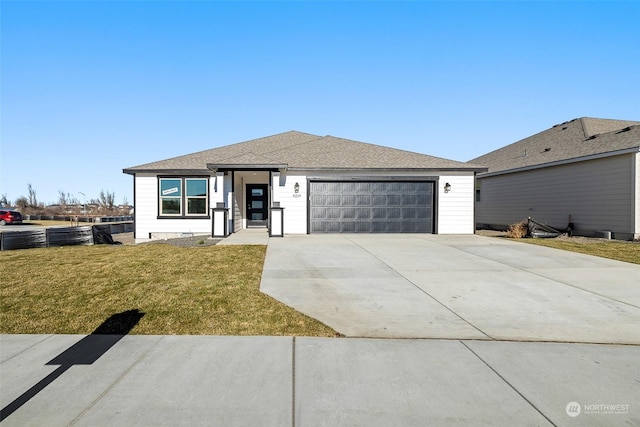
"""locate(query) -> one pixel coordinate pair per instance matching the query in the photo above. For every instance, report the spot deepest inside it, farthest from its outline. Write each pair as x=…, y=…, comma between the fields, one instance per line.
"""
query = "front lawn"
x=210, y=290
x=618, y=250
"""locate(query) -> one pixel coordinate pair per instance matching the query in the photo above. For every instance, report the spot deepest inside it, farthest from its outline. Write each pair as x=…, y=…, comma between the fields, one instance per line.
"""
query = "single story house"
x=585, y=171
x=308, y=184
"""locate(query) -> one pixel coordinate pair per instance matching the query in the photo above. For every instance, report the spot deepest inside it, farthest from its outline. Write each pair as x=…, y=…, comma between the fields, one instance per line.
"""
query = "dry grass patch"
x=210, y=290
x=618, y=250
x=518, y=230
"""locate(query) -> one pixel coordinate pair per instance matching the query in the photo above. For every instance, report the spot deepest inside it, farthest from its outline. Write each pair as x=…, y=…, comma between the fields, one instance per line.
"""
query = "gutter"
x=458, y=169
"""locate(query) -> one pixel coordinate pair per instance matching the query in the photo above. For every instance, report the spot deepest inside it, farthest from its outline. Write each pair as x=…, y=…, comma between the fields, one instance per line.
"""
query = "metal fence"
x=77, y=218
x=60, y=236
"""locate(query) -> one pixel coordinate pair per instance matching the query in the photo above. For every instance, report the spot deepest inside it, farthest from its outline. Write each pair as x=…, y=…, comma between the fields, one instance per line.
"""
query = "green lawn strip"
x=621, y=251
x=200, y=291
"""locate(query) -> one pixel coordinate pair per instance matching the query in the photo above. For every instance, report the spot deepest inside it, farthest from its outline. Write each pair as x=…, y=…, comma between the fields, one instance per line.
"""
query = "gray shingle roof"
x=570, y=140
x=304, y=151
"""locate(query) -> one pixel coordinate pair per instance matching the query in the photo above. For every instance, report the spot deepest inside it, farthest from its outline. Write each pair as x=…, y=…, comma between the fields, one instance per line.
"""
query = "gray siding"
x=237, y=214
x=598, y=194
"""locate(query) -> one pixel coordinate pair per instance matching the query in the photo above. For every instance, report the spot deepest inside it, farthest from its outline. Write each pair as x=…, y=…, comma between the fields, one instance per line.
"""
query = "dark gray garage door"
x=371, y=207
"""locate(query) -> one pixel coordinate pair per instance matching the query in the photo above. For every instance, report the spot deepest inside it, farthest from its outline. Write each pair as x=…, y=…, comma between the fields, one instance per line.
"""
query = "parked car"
x=10, y=217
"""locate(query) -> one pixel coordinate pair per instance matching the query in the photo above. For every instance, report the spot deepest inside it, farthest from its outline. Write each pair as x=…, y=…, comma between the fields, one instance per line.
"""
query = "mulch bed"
x=182, y=242
x=187, y=242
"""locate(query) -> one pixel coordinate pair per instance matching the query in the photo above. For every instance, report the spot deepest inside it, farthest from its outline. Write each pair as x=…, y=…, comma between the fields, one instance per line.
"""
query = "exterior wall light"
x=296, y=188
x=447, y=187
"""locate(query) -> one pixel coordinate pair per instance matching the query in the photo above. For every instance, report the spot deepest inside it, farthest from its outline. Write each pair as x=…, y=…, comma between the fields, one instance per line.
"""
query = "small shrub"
x=201, y=242
x=518, y=230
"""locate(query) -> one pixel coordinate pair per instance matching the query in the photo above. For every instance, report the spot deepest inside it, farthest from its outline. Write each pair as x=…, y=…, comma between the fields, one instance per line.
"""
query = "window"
x=170, y=196
x=183, y=197
x=196, y=196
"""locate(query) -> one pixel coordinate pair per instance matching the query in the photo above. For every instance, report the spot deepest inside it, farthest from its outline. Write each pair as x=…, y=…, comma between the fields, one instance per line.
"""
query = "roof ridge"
x=387, y=147
x=299, y=143
x=584, y=128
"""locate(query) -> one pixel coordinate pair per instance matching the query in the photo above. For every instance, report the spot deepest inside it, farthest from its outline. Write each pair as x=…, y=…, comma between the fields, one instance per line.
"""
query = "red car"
x=10, y=217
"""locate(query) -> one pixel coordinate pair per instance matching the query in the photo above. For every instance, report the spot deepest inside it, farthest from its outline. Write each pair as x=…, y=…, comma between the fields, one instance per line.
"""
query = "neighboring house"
x=324, y=185
x=585, y=171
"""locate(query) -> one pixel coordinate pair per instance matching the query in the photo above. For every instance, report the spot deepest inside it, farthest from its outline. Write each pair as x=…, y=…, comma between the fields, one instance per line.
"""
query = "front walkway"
x=247, y=236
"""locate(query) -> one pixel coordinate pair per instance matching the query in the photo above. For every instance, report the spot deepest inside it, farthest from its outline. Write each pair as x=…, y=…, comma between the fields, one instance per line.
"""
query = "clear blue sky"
x=89, y=88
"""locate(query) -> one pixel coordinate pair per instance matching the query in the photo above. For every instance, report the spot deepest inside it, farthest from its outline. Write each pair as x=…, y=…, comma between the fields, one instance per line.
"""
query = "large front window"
x=180, y=197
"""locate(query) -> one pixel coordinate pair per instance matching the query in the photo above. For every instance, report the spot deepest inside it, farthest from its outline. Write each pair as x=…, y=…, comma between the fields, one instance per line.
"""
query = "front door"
x=257, y=205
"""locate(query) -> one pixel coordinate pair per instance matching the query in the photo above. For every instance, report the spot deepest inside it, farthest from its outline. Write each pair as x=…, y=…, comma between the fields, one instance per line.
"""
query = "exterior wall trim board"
x=230, y=167
x=340, y=170
x=379, y=178
x=206, y=172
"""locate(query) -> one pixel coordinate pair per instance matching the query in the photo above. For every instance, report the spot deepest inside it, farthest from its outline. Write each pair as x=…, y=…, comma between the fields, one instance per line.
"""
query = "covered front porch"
x=247, y=197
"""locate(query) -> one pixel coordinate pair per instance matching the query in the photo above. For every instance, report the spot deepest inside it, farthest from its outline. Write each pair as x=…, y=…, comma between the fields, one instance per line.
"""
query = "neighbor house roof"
x=573, y=140
x=302, y=151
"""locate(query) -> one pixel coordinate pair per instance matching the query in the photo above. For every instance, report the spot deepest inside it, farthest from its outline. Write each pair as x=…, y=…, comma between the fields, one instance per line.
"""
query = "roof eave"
x=227, y=166
x=447, y=169
x=563, y=162
x=214, y=167
x=134, y=171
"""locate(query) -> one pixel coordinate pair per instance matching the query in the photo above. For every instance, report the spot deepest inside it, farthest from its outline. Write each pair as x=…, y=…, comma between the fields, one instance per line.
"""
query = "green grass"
x=621, y=251
x=211, y=290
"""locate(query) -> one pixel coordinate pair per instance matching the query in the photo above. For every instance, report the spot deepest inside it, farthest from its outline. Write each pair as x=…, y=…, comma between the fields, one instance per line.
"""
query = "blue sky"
x=89, y=88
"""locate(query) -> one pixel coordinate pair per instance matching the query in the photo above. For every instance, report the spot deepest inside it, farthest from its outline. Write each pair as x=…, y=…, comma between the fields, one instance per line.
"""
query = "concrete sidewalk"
x=285, y=381
x=461, y=287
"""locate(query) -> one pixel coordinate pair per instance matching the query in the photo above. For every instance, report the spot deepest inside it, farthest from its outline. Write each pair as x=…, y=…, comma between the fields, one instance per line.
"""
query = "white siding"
x=147, y=224
x=455, y=208
x=598, y=194
x=294, y=204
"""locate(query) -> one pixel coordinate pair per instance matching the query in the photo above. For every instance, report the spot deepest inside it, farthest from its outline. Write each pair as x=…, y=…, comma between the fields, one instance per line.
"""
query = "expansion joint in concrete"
x=508, y=383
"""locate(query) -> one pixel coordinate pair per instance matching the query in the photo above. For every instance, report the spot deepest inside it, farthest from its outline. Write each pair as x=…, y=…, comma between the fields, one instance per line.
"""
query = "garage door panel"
x=371, y=207
x=348, y=200
x=394, y=213
x=424, y=214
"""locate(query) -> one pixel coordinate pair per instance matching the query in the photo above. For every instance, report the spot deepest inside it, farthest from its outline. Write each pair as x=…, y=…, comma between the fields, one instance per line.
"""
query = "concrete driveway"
x=456, y=287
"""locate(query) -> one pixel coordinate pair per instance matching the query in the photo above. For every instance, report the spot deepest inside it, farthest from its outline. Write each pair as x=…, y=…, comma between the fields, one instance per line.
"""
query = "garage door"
x=371, y=207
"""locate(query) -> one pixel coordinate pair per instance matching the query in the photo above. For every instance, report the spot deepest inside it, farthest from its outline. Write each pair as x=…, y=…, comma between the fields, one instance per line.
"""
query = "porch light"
x=447, y=187
x=296, y=188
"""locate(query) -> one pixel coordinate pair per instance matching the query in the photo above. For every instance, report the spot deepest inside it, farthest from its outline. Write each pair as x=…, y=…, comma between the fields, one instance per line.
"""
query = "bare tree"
x=22, y=203
x=4, y=202
x=33, y=200
x=107, y=200
x=66, y=200
x=62, y=201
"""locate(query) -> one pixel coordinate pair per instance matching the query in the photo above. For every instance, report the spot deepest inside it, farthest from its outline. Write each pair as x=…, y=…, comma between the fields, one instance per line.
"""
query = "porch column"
x=275, y=188
x=217, y=196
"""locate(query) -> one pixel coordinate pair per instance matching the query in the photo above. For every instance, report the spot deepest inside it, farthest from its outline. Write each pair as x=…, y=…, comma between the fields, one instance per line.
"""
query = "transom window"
x=180, y=197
